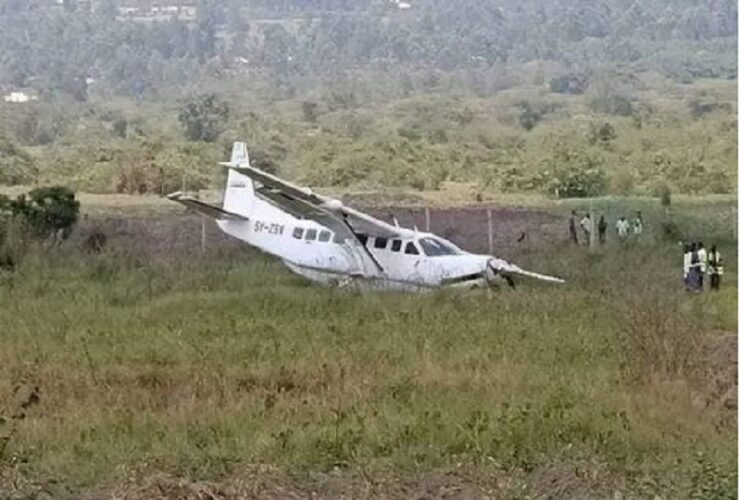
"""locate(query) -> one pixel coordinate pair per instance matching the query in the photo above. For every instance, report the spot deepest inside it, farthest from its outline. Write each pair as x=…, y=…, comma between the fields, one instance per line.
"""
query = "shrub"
x=663, y=191
x=310, y=111
x=47, y=211
x=16, y=165
x=581, y=183
x=530, y=114
x=203, y=118
x=569, y=84
x=120, y=127
x=670, y=231
x=622, y=183
x=655, y=338
x=602, y=134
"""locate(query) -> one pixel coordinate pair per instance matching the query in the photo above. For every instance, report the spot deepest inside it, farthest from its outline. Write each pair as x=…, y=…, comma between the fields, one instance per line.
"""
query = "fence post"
x=490, y=231
x=592, y=228
x=428, y=218
x=734, y=223
x=202, y=234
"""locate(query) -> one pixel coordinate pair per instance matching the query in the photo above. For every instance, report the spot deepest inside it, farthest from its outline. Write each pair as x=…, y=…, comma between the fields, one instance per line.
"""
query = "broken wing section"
x=496, y=266
x=206, y=209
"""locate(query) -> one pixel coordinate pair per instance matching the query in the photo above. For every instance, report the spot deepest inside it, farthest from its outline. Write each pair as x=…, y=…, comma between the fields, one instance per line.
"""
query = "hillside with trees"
x=510, y=96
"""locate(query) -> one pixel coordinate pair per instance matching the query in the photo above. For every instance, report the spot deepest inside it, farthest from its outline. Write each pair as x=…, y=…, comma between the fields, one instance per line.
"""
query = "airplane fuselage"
x=320, y=238
x=313, y=251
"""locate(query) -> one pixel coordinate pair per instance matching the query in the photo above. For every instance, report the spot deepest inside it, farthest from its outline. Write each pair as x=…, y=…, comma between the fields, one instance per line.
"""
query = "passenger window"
x=310, y=234
x=362, y=238
x=324, y=236
x=381, y=242
x=411, y=248
x=298, y=232
x=396, y=245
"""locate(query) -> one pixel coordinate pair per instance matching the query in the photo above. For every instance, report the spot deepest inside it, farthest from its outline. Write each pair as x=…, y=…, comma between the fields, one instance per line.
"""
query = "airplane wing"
x=304, y=203
x=205, y=208
x=503, y=266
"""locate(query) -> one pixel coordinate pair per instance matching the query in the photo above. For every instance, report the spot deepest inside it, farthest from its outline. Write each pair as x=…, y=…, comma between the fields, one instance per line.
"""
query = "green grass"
x=200, y=367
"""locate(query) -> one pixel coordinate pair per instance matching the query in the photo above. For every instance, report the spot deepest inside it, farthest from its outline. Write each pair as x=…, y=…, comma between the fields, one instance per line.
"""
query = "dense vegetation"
x=144, y=360
x=566, y=98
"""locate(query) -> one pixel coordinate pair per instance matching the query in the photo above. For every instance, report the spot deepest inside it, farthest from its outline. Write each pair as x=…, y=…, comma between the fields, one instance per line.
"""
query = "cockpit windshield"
x=434, y=247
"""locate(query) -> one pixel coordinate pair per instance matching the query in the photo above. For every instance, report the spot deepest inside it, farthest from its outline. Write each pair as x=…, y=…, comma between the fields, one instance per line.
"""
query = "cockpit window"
x=362, y=238
x=396, y=245
x=434, y=247
x=411, y=248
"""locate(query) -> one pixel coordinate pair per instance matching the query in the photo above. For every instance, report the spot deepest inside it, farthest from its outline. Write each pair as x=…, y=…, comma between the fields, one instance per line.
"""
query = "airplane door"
x=421, y=269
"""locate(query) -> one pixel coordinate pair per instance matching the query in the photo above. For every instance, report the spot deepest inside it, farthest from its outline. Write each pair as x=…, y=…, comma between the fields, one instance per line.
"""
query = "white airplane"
x=325, y=241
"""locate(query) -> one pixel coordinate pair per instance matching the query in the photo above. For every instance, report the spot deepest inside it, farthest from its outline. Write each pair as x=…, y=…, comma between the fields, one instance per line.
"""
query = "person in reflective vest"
x=702, y=253
x=637, y=225
x=714, y=268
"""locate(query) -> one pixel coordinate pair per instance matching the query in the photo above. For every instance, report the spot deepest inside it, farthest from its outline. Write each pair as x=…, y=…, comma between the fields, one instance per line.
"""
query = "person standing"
x=694, y=280
x=714, y=268
x=572, y=227
x=623, y=228
x=686, y=264
x=602, y=230
x=702, y=253
x=586, y=227
x=637, y=225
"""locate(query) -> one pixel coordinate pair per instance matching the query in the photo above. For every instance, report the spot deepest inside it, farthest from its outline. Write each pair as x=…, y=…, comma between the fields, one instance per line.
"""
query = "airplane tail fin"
x=239, y=193
x=239, y=155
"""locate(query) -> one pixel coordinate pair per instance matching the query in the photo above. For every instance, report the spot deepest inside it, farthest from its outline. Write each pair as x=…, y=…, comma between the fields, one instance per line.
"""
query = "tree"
x=203, y=118
x=47, y=210
x=16, y=165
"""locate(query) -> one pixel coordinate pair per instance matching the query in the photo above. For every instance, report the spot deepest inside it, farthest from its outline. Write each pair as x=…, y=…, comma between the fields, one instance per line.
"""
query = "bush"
x=622, y=183
x=663, y=191
x=16, y=165
x=310, y=111
x=569, y=84
x=670, y=231
x=581, y=183
x=602, y=134
x=120, y=127
x=47, y=211
x=572, y=173
x=530, y=114
x=203, y=118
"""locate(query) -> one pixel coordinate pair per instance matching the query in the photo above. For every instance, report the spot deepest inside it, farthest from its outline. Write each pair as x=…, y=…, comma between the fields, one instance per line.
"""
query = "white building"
x=19, y=97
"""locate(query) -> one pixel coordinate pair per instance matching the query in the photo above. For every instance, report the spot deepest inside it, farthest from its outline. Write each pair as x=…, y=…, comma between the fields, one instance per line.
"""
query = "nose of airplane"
x=495, y=273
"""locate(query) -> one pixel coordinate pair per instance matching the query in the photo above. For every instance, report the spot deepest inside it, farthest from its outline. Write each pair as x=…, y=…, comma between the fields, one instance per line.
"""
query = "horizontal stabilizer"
x=205, y=208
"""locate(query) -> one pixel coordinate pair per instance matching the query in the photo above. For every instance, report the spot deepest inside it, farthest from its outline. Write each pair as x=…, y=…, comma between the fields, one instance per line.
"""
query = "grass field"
x=175, y=374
